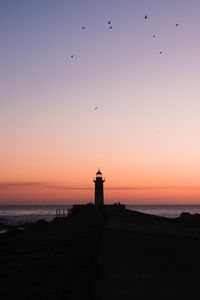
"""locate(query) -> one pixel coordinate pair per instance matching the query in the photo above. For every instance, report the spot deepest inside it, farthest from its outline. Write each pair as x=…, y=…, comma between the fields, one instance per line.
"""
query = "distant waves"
x=21, y=219
x=17, y=215
x=168, y=211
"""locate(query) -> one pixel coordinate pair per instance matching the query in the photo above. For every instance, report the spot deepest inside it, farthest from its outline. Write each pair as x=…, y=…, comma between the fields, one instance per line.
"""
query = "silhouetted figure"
x=99, y=201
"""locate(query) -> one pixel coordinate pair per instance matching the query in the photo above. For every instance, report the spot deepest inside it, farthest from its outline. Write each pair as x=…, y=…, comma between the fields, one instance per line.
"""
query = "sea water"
x=168, y=211
x=16, y=215
x=20, y=214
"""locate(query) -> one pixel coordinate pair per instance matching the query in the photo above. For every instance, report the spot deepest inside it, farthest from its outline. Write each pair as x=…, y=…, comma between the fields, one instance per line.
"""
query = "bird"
x=154, y=36
x=83, y=27
x=110, y=27
x=96, y=108
x=109, y=22
x=145, y=16
x=72, y=56
x=160, y=52
x=177, y=25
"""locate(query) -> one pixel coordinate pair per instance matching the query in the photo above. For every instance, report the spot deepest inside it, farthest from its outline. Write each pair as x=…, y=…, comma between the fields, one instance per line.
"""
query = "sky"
x=144, y=134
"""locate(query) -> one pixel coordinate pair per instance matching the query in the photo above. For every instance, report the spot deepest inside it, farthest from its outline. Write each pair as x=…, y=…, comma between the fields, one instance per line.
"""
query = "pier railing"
x=60, y=213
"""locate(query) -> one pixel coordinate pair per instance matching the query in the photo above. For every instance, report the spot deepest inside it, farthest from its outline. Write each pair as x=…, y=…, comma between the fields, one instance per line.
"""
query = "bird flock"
x=109, y=23
x=154, y=36
x=110, y=27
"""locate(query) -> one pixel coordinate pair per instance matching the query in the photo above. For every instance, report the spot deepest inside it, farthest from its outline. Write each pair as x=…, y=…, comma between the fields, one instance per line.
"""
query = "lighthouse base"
x=79, y=208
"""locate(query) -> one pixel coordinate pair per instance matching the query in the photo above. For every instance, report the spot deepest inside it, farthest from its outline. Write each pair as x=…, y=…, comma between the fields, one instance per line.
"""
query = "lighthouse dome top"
x=99, y=177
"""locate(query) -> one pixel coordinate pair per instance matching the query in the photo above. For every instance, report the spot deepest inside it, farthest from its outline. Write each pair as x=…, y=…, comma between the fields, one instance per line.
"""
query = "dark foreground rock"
x=110, y=254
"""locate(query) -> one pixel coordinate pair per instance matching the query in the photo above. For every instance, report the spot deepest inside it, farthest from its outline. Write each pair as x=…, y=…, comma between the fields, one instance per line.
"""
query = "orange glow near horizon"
x=42, y=193
x=134, y=181
x=152, y=177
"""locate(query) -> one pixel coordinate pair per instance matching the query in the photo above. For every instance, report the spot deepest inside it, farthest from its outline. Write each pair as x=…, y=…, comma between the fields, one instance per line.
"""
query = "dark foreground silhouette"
x=107, y=254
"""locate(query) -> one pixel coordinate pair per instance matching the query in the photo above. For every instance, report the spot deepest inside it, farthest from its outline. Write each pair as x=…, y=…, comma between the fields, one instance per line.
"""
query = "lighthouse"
x=99, y=189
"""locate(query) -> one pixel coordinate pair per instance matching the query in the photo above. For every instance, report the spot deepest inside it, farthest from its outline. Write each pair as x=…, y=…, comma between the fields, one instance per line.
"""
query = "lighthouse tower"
x=99, y=188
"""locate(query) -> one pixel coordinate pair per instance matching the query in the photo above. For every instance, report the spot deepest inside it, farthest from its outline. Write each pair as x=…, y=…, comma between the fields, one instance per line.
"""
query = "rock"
x=185, y=216
x=41, y=223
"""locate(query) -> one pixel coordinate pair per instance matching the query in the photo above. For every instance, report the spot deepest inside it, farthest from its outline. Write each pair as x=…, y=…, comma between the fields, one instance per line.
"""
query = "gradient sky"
x=144, y=135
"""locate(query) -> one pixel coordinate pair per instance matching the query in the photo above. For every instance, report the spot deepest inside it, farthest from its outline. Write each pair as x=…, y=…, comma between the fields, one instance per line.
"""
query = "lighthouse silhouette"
x=99, y=201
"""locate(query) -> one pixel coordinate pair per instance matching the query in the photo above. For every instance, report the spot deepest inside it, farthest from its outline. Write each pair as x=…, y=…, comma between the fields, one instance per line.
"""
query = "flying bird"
x=177, y=25
x=96, y=108
x=72, y=56
x=160, y=52
x=109, y=22
x=154, y=36
x=145, y=16
x=110, y=27
x=83, y=27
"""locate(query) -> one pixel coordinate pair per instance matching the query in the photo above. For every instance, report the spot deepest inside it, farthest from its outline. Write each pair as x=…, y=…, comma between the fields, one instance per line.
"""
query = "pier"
x=104, y=254
x=60, y=213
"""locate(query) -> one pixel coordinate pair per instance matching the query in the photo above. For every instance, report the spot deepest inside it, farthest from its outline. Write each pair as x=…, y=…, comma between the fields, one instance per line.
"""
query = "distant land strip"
x=5, y=185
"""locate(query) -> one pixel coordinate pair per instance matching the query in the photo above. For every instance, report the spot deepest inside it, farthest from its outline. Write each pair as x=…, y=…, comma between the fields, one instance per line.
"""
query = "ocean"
x=16, y=215
x=20, y=214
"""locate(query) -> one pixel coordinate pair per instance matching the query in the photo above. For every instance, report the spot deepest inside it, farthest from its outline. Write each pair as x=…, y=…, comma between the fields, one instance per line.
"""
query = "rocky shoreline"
x=102, y=254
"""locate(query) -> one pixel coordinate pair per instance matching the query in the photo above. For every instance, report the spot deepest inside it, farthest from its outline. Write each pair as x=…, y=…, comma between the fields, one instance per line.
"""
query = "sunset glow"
x=144, y=134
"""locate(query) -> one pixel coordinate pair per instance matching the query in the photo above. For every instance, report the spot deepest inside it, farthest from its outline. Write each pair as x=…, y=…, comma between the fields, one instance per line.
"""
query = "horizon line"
x=65, y=187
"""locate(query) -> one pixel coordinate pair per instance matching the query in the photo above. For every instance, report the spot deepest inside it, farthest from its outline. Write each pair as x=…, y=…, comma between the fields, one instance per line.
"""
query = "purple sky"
x=146, y=129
